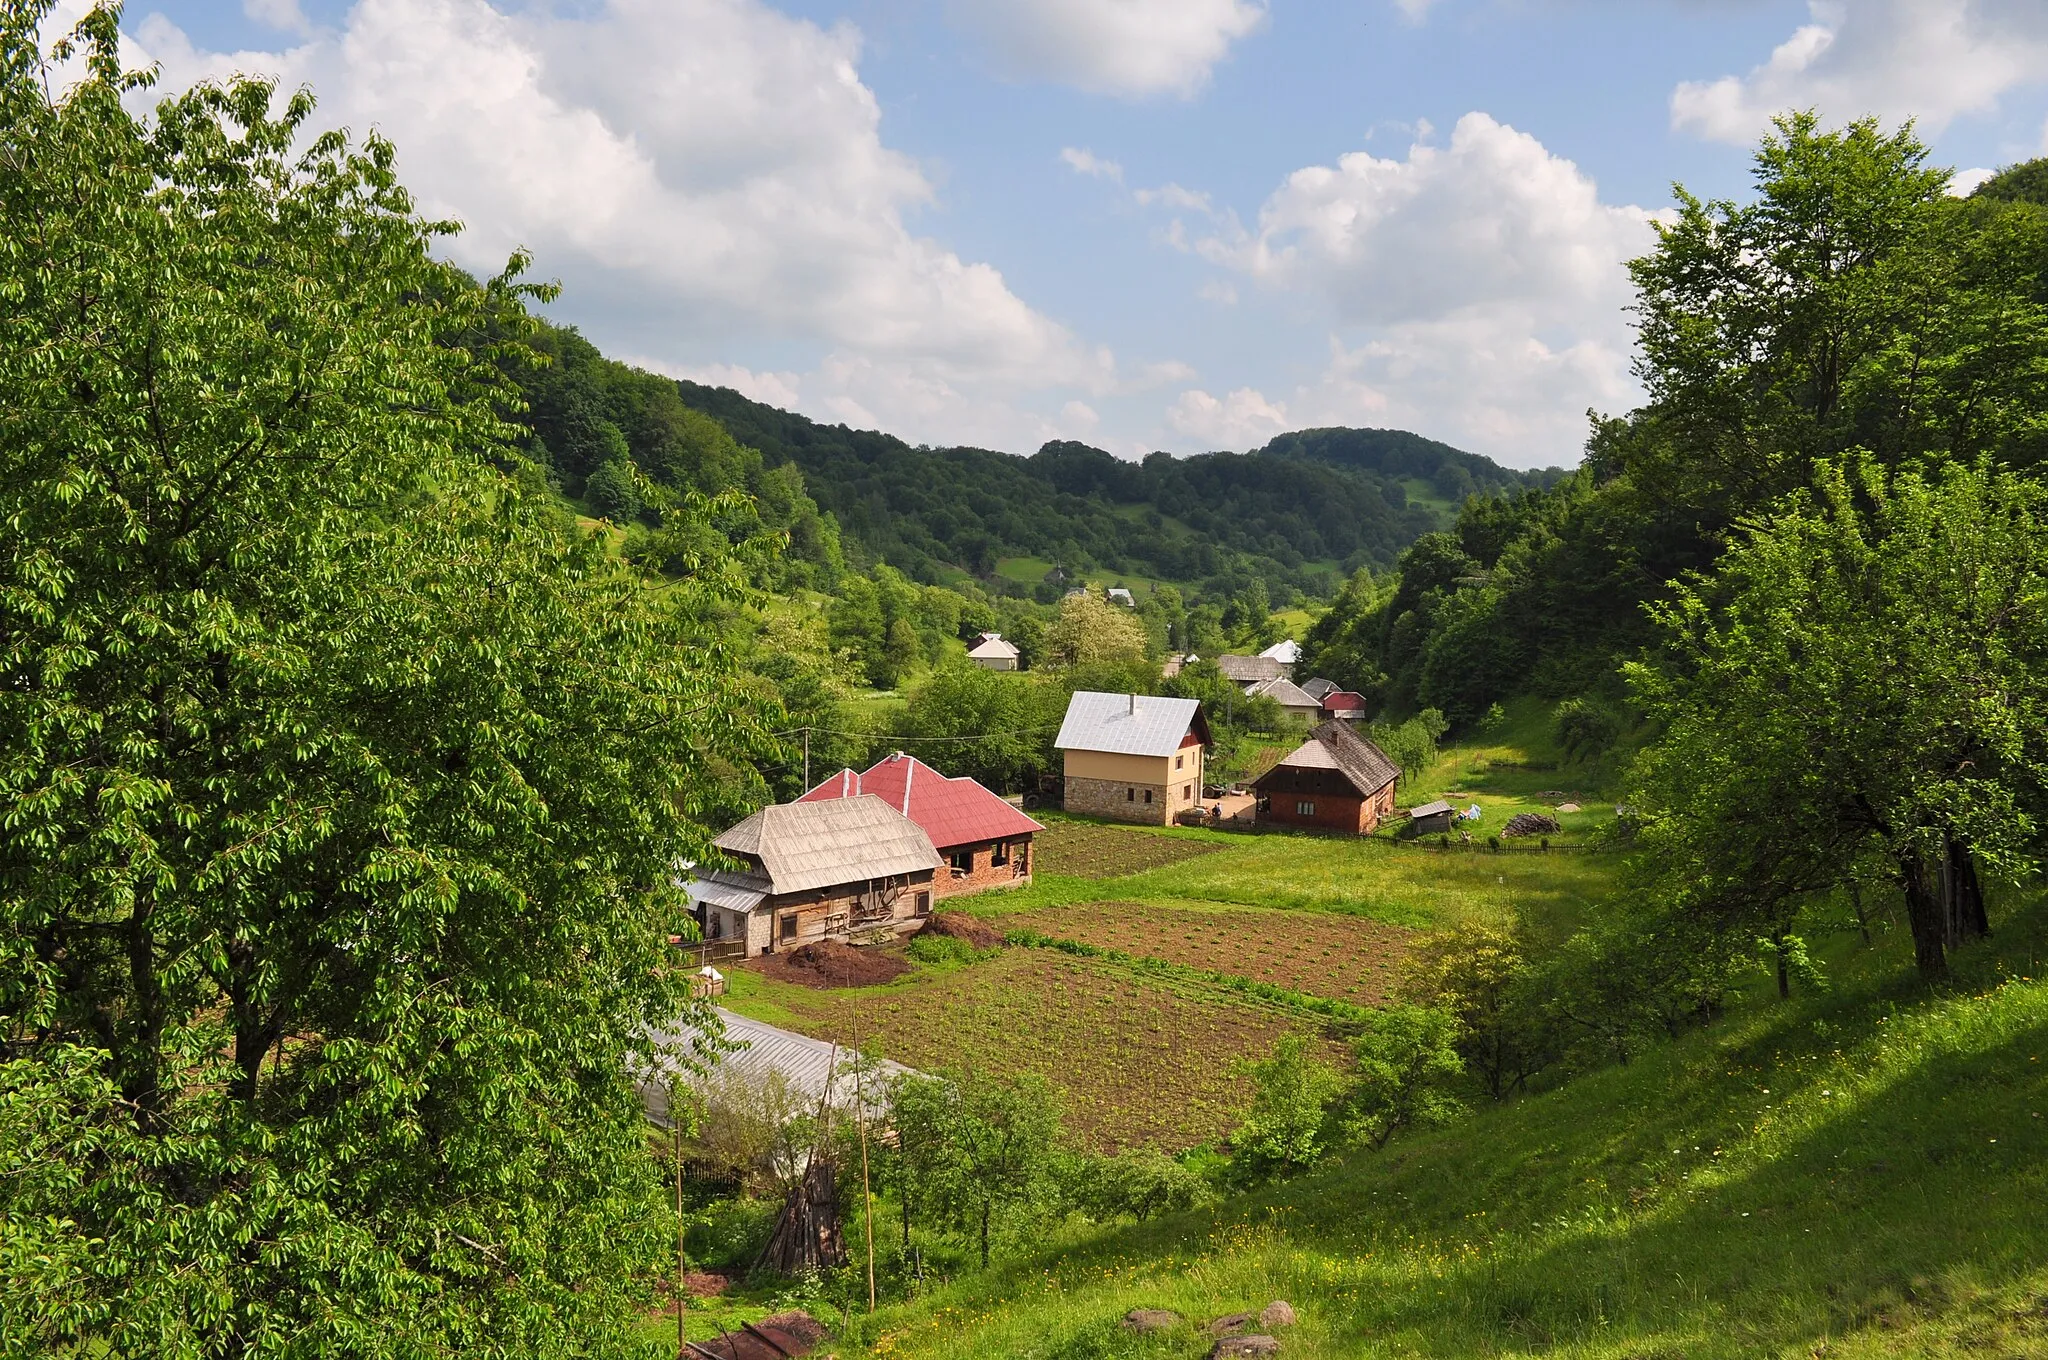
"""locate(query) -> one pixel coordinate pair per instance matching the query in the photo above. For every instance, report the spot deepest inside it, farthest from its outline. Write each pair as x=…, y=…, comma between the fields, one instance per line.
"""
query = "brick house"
x=1336, y=781
x=982, y=841
x=1133, y=757
x=816, y=871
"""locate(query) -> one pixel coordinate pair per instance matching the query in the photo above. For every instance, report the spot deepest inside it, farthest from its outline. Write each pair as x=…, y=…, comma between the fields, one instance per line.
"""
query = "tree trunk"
x=984, y=1234
x=1967, y=917
x=1925, y=915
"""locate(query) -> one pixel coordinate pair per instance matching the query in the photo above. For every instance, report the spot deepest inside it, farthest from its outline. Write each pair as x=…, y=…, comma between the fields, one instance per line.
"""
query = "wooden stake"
x=675, y=1125
x=867, y=1195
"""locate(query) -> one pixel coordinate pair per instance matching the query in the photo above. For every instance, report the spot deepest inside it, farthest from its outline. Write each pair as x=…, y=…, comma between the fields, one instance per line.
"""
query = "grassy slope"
x=1863, y=1172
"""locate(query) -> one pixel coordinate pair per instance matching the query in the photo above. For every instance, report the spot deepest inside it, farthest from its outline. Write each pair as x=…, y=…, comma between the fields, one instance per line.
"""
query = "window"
x=1148, y=795
x=1187, y=791
x=924, y=904
x=789, y=926
x=1130, y=795
x=999, y=853
x=962, y=861
x=1304, y=809
x=1179, y=762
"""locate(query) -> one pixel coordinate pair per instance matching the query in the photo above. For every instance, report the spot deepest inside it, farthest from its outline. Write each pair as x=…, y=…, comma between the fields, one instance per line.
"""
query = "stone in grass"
x=1244, y=1347
x=1277, y=1314
x=1232, y=1322
x=1151, y=1320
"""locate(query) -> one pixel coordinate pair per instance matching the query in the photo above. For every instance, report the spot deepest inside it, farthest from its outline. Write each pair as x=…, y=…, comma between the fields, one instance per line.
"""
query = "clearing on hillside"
x=1345, y=958
x=1135, y=1061
x=1091, y=850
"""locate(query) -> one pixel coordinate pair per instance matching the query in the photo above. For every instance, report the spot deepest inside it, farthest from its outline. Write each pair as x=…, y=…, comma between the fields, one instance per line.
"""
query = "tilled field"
x=1086, y=850
x=1345, y=958
x=1134, y=1061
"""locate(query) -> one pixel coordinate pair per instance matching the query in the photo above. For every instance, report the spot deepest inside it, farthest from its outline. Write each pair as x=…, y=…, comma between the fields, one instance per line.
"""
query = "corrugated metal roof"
x=805, y=1063
x=724, y=888
x=803, y=846
x=1287, y=694
x=1286, y=653
x=1436, y=809
x=1126, y=724
x=1345, y=699
x=951, y=811
x=1319, y=687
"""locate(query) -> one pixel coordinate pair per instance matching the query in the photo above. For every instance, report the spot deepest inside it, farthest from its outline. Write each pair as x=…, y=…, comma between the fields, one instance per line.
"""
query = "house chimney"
x=910, y=771
x=1134, y=705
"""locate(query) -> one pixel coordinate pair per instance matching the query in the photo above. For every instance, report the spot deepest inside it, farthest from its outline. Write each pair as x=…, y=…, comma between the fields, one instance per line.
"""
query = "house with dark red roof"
x=983, y=842
x=1344, y=703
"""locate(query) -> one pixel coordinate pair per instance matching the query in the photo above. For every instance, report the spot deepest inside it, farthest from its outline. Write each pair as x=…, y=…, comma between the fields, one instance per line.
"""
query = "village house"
x=1293, y=700
x=982, y=841
x=1246, y=671
x=1133, y=757
x=1318, y=688
x=1286, y=652
x=1344, y=703
x=992, y=653
x=817, y=871
x=1121, y=595
x=1335, y=781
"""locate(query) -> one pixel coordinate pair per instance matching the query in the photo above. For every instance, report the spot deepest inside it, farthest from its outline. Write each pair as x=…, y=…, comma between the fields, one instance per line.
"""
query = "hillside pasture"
x=1344, y=958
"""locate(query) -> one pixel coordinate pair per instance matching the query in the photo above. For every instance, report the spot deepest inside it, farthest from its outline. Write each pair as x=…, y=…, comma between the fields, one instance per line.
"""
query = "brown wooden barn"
x=1335, y=781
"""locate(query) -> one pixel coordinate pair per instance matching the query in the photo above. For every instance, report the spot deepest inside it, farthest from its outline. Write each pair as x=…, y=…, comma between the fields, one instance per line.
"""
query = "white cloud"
x=702, y=174
x=1414, y=11
x=1242, y=419
x=1931, y=60
x=1171, y=195
x=1480, y=285
x=1085, y=162
x=1119, y=47
x=1965, y=182
x=284, y=15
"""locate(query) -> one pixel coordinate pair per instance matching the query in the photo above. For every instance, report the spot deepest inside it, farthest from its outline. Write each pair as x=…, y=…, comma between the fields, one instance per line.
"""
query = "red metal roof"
x=951, y=811
x=1342, y=698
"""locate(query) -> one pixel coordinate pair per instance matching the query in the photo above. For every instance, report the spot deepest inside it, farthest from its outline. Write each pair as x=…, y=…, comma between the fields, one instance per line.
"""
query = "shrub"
x=945, y=949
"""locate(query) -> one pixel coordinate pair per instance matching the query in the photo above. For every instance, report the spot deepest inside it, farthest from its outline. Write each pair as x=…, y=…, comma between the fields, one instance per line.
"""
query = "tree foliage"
x=342, y=792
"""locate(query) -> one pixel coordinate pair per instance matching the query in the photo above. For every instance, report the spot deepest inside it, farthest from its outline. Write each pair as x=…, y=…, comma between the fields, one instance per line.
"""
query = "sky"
x=1144, y=224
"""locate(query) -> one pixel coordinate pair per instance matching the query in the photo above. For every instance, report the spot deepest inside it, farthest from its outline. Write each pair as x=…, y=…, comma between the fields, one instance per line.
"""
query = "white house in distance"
x=1286, y=652
x=993, y=654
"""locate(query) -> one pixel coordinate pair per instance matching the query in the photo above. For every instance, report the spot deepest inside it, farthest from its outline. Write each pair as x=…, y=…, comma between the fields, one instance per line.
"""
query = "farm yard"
x=1143, y=1042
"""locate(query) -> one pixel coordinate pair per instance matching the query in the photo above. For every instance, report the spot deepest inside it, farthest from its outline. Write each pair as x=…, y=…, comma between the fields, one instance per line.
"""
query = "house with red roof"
x=1344, y=703
x=983, y=842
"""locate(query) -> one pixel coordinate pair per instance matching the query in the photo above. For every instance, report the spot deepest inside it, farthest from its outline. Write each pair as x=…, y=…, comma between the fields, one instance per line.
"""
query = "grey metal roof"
x=725, y=888
x=1436, y=809
x=1126, y=724
x=803, y=846
x=1319, y=688
x=805, y=1063
x=1247, y=669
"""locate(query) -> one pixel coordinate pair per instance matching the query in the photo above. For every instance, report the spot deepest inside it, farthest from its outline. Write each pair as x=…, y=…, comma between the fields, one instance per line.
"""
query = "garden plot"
x=1344, y=958
x=1090, y=850
x=1134, y=1061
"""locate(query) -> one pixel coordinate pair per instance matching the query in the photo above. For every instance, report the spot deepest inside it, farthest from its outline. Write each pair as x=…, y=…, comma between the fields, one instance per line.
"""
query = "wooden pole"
x=675, y=1125
x=867, y=1195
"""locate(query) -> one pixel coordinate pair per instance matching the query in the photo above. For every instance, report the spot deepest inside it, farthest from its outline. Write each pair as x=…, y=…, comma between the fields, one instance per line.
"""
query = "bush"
x=1407, y=1061
x=1284, y=1131
x=611, y=492
x=945, y=949
x=729, y=1234
x=1585, y=728
x=1137, y=1183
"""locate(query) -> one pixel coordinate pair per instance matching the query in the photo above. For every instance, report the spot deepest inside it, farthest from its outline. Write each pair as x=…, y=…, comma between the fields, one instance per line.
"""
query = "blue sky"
x=1179, y=224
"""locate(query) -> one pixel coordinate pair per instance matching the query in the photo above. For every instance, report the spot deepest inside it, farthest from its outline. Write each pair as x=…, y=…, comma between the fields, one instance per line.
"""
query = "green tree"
x=994, y=727
x=343, y=794
x=1407, y=1061
x=1284, y=1131
x=1863, y=675
x=980, y=1147
x=1482, y=976
x=1092, y=631
x=611, y=492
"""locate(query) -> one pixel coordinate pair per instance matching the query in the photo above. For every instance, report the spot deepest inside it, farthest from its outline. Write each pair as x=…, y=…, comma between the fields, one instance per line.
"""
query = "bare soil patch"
x=960, y=926
x=830, y=963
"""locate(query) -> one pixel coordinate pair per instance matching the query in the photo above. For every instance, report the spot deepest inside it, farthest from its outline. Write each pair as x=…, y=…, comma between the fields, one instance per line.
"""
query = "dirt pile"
x=959, y=925
x=831, y=963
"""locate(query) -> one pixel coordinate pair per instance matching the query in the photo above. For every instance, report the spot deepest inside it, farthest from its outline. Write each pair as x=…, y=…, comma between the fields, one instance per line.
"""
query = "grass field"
x=1857, y=1172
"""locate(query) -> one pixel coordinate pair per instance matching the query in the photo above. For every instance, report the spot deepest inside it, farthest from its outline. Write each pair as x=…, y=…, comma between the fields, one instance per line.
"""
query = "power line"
x=883, y=736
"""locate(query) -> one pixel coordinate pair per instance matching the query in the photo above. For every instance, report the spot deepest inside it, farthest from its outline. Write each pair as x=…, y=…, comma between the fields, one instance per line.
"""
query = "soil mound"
x=960, y=926
x=831, y=963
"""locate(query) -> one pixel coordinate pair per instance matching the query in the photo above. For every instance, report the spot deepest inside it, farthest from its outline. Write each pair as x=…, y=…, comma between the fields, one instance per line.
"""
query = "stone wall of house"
x=1113, y=798
x=986, y=873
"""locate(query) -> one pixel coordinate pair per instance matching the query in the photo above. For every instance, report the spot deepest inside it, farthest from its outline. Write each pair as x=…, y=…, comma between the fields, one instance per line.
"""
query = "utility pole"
x=867, y=1195
x=675, y=1126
